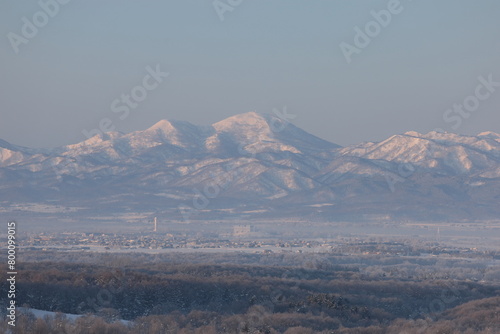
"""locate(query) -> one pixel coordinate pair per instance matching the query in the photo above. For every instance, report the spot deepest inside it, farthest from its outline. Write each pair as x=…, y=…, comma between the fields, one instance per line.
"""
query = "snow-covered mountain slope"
x=13, y=154
x=254, y=133
x=258, y=165
x=445, y=152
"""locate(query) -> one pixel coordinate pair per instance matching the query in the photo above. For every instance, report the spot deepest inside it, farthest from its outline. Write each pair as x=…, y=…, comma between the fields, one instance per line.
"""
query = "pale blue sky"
x=264, y=55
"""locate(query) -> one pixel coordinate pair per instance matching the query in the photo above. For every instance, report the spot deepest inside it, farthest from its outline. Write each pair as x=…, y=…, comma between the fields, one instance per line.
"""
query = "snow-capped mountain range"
x=255, y=166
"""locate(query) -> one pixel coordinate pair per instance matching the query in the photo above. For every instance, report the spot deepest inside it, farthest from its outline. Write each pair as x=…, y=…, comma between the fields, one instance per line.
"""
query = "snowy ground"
x=42, y=314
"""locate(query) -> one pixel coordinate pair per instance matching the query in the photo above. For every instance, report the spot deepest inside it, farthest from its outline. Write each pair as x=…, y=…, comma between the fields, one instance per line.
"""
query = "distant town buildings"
x=243, y=230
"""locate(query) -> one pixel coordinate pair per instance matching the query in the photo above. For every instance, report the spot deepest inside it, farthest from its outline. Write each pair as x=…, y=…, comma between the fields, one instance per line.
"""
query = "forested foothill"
x=255, y=293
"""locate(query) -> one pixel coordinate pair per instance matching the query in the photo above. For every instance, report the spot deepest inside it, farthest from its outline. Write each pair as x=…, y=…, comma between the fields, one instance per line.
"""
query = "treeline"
x=163, y=297
x=226, y=289
x=480, y=317
x=369, y=265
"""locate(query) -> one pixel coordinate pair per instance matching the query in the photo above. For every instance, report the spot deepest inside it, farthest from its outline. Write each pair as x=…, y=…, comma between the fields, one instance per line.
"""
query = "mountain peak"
x=413, y=134
x=489, y=134
x=163, y=125
x=246, y=120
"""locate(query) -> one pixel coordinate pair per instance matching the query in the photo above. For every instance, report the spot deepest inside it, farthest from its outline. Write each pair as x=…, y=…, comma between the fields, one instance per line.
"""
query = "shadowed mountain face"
x=256, y=166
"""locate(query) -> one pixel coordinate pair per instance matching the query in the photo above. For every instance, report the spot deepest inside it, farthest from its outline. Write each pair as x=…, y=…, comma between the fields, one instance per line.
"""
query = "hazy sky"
x=263, y=55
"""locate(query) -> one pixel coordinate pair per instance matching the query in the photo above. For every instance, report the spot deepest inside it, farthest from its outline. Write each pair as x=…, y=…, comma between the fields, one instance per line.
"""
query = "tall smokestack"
x=155, y=225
